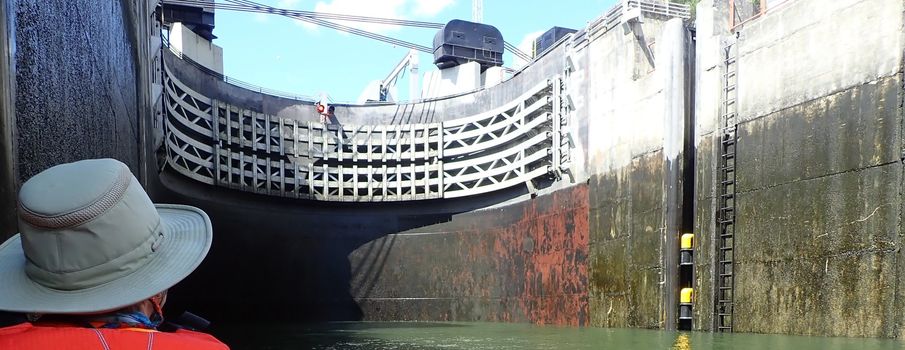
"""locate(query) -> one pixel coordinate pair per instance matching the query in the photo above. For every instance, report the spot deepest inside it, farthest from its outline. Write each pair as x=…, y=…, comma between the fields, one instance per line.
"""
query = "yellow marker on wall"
x=685, y=295
x=687, y=241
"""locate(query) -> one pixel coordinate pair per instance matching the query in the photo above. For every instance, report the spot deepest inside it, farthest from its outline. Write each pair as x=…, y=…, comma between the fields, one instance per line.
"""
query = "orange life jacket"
x=27, y=336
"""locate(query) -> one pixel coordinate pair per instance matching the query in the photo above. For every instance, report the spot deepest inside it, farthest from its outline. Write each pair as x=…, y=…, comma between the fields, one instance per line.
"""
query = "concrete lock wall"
x=552, y=259
x=76, y=74
x=819, y=171
x=637, y=140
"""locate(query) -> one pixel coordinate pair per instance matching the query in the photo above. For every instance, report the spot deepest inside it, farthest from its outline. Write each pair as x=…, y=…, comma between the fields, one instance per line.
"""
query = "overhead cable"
x=264, y=9
x=321, y=18
x=516, y=51
x=260, y=8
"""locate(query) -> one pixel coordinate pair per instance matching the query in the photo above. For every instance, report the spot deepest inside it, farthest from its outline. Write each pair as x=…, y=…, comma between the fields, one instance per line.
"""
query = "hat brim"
x=188, y=238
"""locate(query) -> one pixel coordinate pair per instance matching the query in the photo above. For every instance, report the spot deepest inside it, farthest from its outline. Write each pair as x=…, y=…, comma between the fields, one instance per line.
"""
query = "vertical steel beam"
x=558, y=115
x=215, y=140
x=342, y=181
x=269, y=181
x=441, y=174
x=295, y=138
x=268, y=145
x=8, y=161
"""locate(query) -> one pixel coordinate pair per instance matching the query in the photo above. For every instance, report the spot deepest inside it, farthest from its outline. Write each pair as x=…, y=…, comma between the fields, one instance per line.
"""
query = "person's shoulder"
x=16, y=328
x=8, y=319
x=197, y=340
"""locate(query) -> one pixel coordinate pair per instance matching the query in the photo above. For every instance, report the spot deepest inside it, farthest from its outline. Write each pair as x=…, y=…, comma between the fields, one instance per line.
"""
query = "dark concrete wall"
x=76, y=85
x=433, y=260
x=526, y=262
x=281, y=259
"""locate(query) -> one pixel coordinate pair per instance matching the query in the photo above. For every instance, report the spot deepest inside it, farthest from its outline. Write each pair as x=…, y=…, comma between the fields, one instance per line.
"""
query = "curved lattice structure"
x=220, y=144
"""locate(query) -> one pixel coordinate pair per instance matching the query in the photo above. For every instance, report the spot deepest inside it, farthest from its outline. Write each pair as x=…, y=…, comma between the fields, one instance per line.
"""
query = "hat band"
x=84, y=214
x=110, y=270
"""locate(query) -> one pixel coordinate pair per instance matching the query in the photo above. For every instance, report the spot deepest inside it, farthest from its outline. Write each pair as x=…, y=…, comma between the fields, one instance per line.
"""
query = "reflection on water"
x=479, y=336
x=682, y=342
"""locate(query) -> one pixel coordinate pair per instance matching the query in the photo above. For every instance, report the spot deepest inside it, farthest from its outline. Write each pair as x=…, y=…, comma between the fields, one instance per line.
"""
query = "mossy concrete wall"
x=625, y=223
x=635, y=151
x=819, y=168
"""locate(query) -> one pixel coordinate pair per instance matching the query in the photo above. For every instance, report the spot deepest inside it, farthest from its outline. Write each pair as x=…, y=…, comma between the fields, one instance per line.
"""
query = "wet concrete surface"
x=76, y=95
x=625, y=219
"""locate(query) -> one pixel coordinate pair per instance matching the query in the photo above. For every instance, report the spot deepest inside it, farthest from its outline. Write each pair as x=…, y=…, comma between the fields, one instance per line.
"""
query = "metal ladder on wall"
x=725, y=216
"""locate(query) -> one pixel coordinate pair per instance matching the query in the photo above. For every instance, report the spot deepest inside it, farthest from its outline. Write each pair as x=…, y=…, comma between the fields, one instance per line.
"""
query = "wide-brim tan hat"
x=91, y=240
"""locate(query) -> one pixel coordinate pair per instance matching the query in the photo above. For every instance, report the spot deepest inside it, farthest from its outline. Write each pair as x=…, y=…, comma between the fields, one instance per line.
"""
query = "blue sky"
x=283, y=54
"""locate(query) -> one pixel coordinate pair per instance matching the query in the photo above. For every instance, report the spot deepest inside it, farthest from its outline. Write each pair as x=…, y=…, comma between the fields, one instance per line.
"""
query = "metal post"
x=672, y=61
x=8, y=170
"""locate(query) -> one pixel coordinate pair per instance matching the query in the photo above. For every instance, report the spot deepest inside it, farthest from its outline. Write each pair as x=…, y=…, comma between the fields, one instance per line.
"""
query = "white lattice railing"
x=221, y=144
x=614, y=16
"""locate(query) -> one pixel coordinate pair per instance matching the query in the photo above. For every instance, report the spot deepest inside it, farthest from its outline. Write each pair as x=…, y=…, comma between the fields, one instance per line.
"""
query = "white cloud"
x=430, y=8
x=287, y=3
x=525, y=46
x=396, y=9
x=307, y=25
x=261, y=17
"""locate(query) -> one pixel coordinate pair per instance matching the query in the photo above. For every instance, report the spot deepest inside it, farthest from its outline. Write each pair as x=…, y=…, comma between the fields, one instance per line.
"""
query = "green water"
x=479, y=336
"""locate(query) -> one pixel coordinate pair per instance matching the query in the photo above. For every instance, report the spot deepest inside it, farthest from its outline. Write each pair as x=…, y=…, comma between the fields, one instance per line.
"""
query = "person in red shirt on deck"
x=93, y=261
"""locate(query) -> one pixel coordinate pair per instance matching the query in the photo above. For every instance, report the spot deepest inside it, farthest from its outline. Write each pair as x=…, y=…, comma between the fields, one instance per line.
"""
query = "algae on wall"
x=819, y=174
